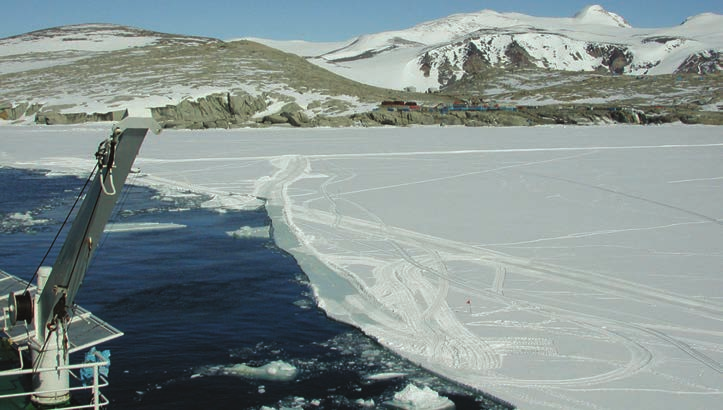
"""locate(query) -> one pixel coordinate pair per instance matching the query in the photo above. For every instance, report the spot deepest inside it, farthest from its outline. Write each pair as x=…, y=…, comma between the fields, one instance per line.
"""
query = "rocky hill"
x=102, y=72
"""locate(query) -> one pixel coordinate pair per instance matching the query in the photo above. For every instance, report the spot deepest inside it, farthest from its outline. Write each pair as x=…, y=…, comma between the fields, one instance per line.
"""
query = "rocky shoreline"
x=546, y=115
x=240, y=110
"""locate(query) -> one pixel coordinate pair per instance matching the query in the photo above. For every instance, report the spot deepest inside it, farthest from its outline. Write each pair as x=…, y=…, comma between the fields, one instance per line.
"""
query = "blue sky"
x=313, y=20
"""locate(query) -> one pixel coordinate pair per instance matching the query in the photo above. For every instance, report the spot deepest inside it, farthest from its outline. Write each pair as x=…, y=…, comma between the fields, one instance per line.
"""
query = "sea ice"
x=553, y=267
x=250, y=232
x=414, y=398
x=141, y=226
x=274, y=371
x=385, y=376
x=365, y=403
x=19, y=220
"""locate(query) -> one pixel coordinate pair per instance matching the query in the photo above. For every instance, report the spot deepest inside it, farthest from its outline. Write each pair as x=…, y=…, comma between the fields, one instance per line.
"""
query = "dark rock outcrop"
x=708, y=62
x=544, y=115
x=11, y=112
x=323, y=121
x=475, y=60
x=290, y=113
x=57, y=118
x=425, y=64
x=221, y=110
x=297, y=119
x=614, y=58
x=245, y=104
x=275, y=119
x=519, y=57
x=446, y=73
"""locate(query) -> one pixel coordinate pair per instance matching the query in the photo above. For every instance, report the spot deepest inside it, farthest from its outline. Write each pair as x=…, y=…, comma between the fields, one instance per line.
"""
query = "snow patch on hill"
x=431, y=54
x=68, y=44
x=86, y=37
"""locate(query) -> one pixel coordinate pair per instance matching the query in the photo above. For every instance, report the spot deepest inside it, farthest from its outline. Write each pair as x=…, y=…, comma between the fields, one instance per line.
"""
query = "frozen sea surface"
x=210, y=319
x=554, y=267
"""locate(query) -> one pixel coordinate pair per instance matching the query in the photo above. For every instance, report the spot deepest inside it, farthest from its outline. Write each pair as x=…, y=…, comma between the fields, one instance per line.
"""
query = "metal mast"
x=57, y=288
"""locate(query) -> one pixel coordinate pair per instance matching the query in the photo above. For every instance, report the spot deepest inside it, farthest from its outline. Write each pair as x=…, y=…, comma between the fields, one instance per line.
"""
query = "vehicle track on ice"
x=640, y=357
x=435, y=322
x=412, y=286
x=465, y=349
x=690, y=351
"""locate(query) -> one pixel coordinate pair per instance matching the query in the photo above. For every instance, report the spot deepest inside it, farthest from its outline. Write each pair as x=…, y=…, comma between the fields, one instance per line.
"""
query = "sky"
x=312, y=20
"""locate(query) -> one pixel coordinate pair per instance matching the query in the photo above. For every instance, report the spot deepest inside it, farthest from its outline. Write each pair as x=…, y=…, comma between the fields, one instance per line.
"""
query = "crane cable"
x=62, y=226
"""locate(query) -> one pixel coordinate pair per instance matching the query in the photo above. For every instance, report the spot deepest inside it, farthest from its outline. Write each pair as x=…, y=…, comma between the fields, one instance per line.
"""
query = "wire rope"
x=62, y=226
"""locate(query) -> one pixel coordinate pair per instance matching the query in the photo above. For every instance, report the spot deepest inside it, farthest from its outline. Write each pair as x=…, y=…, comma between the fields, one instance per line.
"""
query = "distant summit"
x=596, y=14
x=435, y=54
x=703, y=19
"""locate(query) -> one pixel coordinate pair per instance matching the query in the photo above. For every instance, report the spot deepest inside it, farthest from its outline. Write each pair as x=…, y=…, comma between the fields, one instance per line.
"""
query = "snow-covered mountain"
x=106, y=71
x=436, y=53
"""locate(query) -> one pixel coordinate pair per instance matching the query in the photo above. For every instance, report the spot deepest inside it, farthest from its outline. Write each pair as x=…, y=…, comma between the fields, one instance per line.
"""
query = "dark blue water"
x=195, y=300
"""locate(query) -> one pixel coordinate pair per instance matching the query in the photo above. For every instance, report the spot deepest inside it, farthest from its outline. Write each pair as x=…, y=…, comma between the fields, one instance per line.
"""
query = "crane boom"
x=115, y=157
x=51, y=307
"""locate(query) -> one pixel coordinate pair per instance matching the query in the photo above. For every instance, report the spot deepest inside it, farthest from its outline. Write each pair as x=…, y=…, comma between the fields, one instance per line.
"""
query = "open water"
x=194, y=300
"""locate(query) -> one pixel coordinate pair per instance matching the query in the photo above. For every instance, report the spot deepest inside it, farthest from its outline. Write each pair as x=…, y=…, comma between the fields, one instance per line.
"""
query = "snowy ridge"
x=434, y=53
x=84, y=37
x=67, y=44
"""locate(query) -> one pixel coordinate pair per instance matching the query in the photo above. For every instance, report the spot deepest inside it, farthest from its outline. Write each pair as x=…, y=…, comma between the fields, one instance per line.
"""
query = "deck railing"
x=97, y=399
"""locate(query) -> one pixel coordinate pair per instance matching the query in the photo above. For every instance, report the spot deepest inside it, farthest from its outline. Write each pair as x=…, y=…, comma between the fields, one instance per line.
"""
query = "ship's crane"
x=47, y=310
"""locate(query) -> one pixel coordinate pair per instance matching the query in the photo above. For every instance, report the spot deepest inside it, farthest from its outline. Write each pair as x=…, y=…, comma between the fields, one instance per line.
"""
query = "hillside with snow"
x=110, y=69
x=436, y=53
x=64, y=45
x=103, y=72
